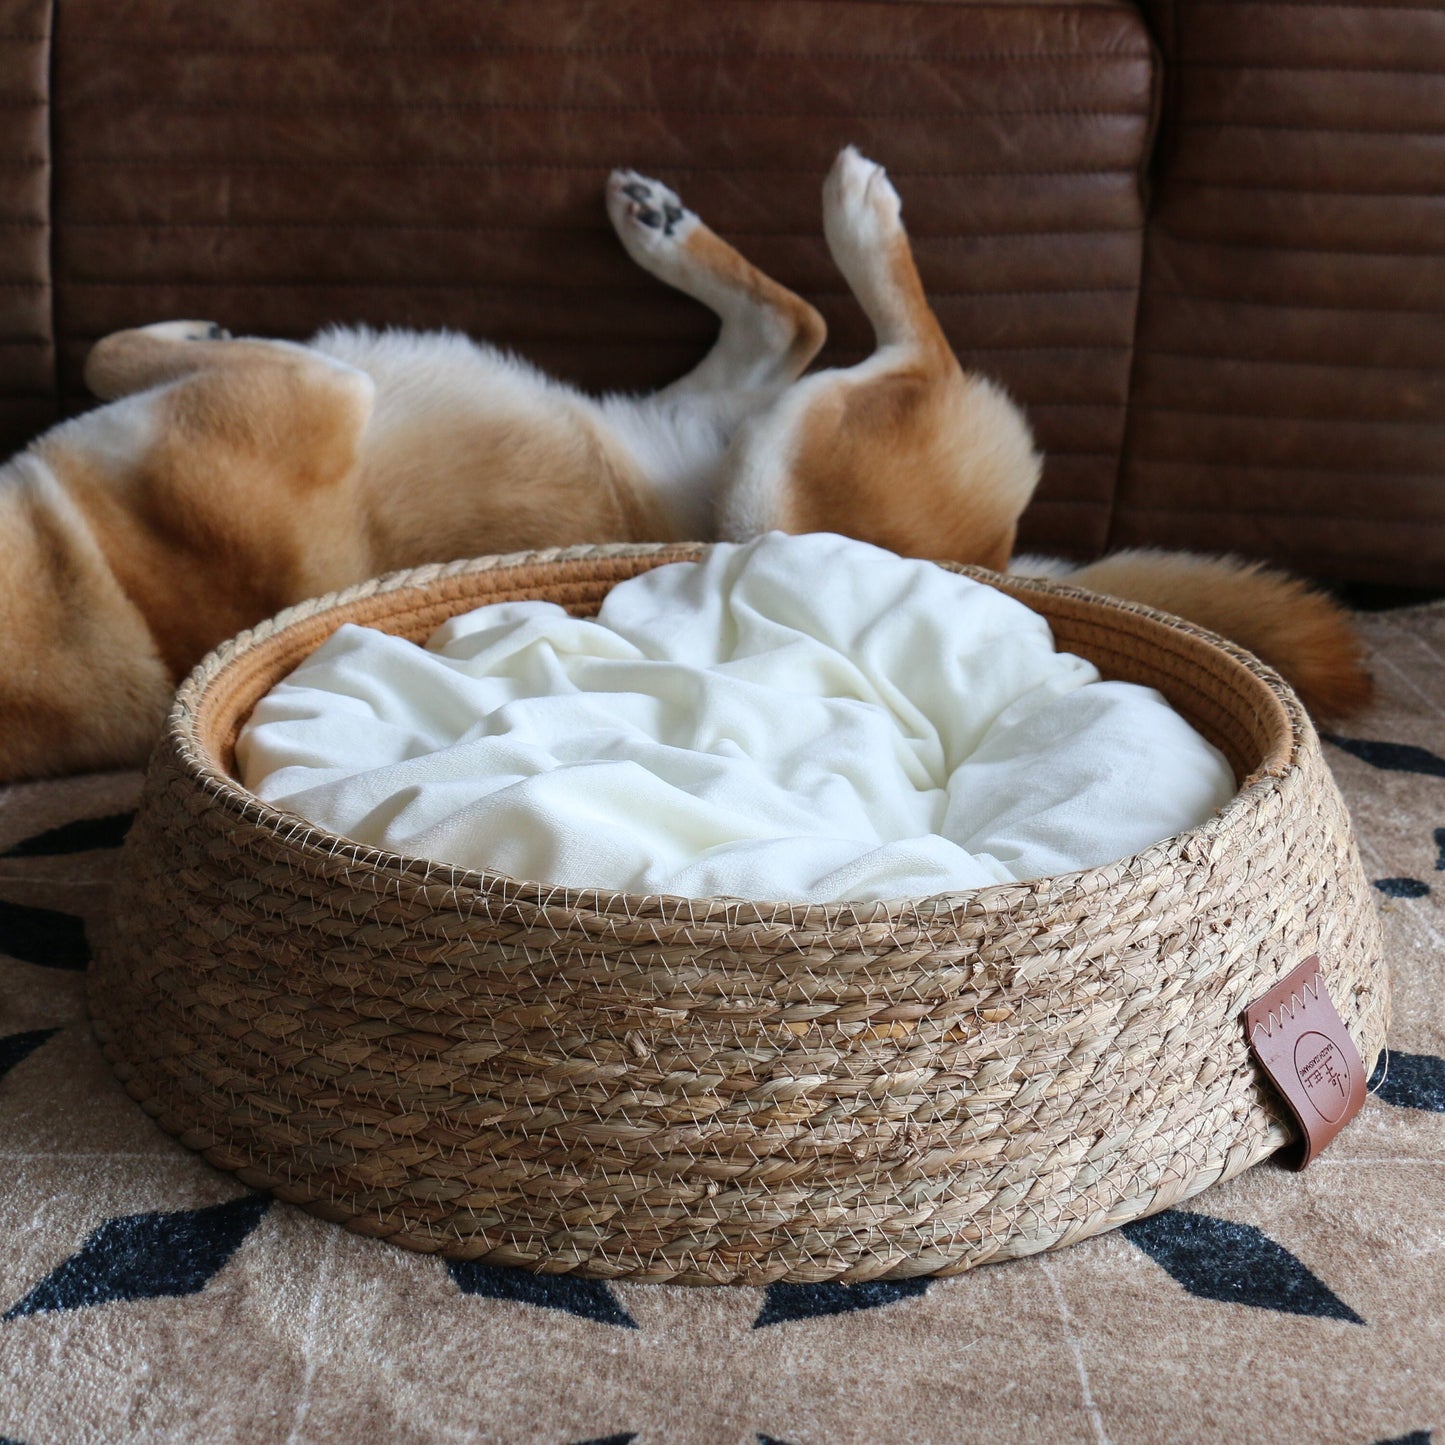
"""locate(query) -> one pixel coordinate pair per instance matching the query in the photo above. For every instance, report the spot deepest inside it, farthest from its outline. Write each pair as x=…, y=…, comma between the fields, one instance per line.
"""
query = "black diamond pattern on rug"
x=14, y=1047
x=84, y=835
x=1402, y=887
x=785, y=1302
x=626, y=1438
x=144, y=1256
x=1220, y=1259
x=589, y=1298
x=1393, y=757
x=1415, y=1437
x=1410, y=1081
x=43, y=935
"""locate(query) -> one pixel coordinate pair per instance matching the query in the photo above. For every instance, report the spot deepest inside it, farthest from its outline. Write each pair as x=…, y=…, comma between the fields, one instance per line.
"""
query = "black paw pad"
x=637, y=191
x=671, y=215
x=649, y=217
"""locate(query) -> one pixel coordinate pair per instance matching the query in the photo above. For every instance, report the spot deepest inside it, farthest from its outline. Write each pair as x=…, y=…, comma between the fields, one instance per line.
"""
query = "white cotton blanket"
x=795, y=718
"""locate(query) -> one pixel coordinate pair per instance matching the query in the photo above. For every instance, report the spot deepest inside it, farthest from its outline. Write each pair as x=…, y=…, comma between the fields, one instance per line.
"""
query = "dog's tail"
x=1295, y=629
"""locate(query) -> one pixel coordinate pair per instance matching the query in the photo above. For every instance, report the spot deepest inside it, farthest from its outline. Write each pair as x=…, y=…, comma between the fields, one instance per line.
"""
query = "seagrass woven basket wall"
x=714, y=1090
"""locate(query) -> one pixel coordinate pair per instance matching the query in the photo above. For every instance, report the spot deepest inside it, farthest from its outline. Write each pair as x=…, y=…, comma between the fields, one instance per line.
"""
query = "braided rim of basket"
x=1263, y=730
x=1278, y=714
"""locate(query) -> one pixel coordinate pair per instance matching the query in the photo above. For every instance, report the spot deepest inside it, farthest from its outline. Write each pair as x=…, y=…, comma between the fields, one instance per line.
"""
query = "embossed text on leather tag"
x=1308, y=1054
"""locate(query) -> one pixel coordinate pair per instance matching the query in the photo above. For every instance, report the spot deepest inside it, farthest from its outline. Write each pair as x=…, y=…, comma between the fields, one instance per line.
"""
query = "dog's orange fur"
x=82, y=685
x=1280, y=619
x=864, y=445
x=206, y=533
x=232, y=478
x=801, y=331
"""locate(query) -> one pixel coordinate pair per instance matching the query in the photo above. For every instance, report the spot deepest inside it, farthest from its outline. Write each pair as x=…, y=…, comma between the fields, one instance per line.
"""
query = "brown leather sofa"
x=1203, y=242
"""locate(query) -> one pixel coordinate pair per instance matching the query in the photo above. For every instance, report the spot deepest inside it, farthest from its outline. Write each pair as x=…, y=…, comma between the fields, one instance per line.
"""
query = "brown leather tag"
x=1309, y=1056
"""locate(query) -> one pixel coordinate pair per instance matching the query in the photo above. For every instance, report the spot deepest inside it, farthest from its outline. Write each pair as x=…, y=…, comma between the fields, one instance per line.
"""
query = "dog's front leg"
x=768, y=335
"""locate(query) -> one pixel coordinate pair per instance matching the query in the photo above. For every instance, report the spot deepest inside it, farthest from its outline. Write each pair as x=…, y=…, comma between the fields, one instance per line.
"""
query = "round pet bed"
x=711, y=1090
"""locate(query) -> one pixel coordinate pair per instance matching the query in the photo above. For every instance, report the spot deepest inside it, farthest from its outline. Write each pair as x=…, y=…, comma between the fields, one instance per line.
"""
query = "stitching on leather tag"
x=1304, y=1047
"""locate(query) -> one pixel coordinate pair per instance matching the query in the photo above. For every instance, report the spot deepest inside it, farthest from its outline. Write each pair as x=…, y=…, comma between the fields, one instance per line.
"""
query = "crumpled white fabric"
x=796, y=718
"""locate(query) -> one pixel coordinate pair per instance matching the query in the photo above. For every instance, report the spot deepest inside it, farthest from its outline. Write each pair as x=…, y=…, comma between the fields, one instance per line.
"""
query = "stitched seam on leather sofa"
x=1271, y=417
x=660, y=52
x=1369, y=5
x=1342, y=67
x=1236, y=510
x=254, y=111
x=1284, y=249
x=1234, y=359
x=231, y=163
x=569, y=165
x=1288, y=190
x=1245, y=467
x=1302, y=305
x=1309, y=129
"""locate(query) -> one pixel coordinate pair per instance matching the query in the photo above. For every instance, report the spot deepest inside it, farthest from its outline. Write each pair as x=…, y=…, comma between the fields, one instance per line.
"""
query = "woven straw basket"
x=710, y=1090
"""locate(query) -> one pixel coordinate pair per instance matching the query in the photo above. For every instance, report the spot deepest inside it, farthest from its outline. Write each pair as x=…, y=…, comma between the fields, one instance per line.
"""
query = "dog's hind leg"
x=905, y=449
x=862, y=220
x=769, y=334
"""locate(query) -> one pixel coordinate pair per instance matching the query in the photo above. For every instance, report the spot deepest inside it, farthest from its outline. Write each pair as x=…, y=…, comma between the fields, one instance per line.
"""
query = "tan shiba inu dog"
x=229, y=478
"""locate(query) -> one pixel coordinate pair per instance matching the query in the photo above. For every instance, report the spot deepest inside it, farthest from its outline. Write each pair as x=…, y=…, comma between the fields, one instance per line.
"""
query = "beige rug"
x=146, y=1297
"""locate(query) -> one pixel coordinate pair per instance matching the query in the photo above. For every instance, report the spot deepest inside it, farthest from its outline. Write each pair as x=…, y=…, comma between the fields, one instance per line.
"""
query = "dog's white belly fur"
x=680, y=444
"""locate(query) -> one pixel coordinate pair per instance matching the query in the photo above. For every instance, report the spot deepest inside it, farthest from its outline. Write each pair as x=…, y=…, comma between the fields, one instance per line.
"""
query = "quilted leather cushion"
x=275, y=166
x=1289, y=394
x=27, y=351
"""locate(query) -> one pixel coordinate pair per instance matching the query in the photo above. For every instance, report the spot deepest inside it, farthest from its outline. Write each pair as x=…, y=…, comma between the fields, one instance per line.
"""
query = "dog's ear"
x=81, y=685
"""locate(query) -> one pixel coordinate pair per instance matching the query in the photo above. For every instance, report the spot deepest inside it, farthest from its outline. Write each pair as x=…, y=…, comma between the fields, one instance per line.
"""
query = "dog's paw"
x=186, y=331
x=859, y=201
x=646, y=215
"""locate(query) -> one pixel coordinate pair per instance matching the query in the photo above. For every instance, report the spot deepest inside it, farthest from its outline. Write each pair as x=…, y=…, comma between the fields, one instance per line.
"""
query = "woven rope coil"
x=712, y=1090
